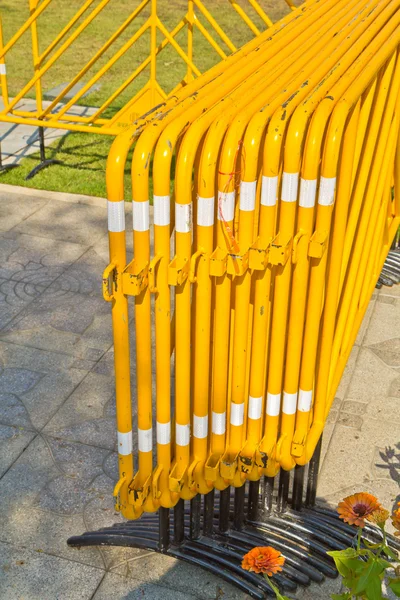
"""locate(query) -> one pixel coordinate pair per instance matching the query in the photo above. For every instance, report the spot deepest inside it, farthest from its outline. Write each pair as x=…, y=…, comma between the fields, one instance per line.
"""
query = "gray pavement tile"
x=388, y=351
x=64, y=321
x=321, y=591
x=347, y=374
x=38, y=576
x=34, y=384
x=54, y=490
x=35, y=260
x=88, y=415
x=13, y=441
x=114, y=586
x=360, y=339
x=371, y=377
x=341, y=475
x=384, y=324
x=79, y=223
x=14, y=296
x=84, y=276
x=15, y=209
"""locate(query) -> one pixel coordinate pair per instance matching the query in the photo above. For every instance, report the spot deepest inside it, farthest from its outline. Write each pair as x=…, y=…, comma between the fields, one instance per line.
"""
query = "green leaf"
x=390, y=553
x=372, y=569
x=348, y=553
x=395, y=586
x=344, y=596
x=373, y=588
x=344, y=560
x=372, y=546
x=384, y=563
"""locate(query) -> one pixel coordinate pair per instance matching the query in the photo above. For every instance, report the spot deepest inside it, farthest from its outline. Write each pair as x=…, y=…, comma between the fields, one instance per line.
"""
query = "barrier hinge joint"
x=318, y=242
x=135, y=278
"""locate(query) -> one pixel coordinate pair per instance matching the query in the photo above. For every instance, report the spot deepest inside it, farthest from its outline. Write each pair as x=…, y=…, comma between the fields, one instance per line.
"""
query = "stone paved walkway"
x=57, y=424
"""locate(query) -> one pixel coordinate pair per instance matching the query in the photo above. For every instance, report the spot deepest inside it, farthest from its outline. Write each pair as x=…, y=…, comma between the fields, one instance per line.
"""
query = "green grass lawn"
x=84, y=155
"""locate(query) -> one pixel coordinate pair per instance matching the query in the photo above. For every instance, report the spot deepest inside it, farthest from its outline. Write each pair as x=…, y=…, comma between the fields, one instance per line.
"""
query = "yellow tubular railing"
x=272, y=181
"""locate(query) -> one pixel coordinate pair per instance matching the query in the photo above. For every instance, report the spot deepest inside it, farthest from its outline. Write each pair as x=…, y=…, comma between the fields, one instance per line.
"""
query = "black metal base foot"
x=41, y=166
x=391, y=269
x=201, y=537
x=6, y=168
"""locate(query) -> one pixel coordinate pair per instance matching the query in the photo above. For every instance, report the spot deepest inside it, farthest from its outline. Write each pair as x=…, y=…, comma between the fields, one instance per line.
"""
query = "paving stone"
x=114, y=586
x=14, y=297
x=371, y=377
x=365, y=322
x=54, y=322
x=34, y=384
x=77, y=223
x=13, y=212
x=54, y=488
x=39, y=576
x=347, y=374
x=35, y=260
x=88, y=415
x=320, y=592
x=384, y=409
x=349, y=464
x=13, y=441
x=388, y=351
x=384, y=324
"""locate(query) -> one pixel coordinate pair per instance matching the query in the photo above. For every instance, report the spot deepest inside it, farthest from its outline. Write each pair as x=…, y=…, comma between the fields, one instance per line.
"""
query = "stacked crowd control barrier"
x=275, y=197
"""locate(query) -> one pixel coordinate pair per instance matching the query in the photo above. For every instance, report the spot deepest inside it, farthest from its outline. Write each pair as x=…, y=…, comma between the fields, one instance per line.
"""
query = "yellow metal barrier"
x=143, y=24
x=273, y=209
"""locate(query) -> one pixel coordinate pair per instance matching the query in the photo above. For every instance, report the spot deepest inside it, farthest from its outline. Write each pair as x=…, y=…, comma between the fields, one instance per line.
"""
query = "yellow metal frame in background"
x=56, y=114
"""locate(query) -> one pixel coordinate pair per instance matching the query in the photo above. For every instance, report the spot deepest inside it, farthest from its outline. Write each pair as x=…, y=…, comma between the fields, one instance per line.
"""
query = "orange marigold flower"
x=356, y=508
x=263, y=560
x=379, y=516
x=396, y=521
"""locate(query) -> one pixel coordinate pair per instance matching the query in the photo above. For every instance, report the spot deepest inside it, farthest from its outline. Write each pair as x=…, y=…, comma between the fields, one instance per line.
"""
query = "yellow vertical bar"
x=120, y=323
x=153, y=50
x=190, y=19
x=3, y=71
x=36, y=55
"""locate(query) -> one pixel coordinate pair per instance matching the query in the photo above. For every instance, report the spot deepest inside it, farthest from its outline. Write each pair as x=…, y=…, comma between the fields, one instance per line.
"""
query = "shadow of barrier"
x=141, y=37
x=269, y=238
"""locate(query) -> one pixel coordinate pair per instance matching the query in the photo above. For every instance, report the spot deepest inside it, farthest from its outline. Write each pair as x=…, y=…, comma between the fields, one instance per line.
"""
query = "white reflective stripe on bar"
x=125, y=443
x=161, y=210
x=3, y=70
x=205, y=211
x=182, y=434
x=226, y=206
x=308, y=192
x=289, y=403
x=200, y=427
x=327, y=187
x=218, y=423
x=269, y=190
x=305, y=399
x=248, y=195
x=273, y=404
x=183, y=217
x=237, y=414
x=290, y=182
x=116, y=216
x=140, y=212
x=163, y=433
x=145, y=440
x=255, y=407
